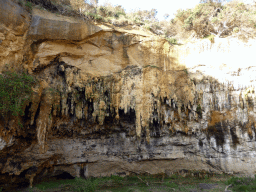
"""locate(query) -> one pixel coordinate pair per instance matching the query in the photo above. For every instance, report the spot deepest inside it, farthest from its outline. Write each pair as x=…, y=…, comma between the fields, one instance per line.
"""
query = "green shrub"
x=146, y=26
x=174, y=176
x=77, y=184
x=170, y=184
x=240, y=184
x=86, y=185
x=199, y=110
x=117, y=179
x=20, y=2
x=172, y=40
x=210, y=37
x=15, y=90
x=236, y=30
x=28, y=5
x=94, y=16
x=215, y=19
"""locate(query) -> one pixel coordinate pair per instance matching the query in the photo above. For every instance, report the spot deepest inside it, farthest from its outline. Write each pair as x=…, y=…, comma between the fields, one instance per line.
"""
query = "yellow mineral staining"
x=55, y=102
x=88, y=91
x=44, y=121
x=115, y=87
x=79, y=110
x=251, y=123
x=248, y=96
x=140, y=89
x=69, y=76
x=249, y=128
x=143, y=73
x=249, y=91
x=143, y=92
x=166, y=61
x=14, y=26
x=99, y=111
x=217, y=117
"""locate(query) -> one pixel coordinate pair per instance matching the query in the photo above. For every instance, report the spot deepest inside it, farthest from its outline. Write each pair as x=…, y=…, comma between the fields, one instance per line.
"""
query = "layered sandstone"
x=119, y=101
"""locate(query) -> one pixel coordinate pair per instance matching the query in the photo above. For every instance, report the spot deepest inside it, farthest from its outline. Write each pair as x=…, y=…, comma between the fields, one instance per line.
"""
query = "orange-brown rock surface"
x=117, y=101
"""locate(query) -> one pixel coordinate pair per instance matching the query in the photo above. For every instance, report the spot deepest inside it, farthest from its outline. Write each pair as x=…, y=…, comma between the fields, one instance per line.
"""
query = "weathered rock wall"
x=116, y=101
x=14, y=26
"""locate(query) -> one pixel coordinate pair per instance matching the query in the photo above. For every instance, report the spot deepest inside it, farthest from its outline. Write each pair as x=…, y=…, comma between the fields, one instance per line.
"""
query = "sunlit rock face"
x=118, y=101
x=14, y=23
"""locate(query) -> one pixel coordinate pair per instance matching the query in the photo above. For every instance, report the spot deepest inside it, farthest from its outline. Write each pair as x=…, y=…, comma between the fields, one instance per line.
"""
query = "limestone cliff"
x=119, y=101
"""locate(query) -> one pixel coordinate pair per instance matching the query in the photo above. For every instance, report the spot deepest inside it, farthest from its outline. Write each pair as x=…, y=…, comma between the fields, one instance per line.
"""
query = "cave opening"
x=129, y=117
x=64, y=175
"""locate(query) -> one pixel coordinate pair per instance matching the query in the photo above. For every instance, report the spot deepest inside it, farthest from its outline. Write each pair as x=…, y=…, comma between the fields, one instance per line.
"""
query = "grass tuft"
x=242, y=184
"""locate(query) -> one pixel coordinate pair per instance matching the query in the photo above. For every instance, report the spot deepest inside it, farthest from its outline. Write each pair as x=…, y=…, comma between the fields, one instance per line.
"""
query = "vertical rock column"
x=44, y=119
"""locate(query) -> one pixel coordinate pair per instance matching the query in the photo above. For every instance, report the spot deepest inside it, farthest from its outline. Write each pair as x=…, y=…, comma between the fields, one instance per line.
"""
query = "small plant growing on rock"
x=172, y=40
x=186, y=71
x=199, y=110
x=28, y=6
x=236, y=30
x=210, y=37
x=20, y=2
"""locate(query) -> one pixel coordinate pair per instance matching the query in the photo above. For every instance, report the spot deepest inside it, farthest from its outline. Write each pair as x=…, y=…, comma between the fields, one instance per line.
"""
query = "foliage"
x=210, y=37
x=52, y=184
x=209, y=17
x=242, y=184
x=117, y=179
x=212, y=18
x=236, y=30
x=172, y=40
x=78, y=184
x=28, y=5
x=115, y=183
x=20, y=2
x=88, y=185
x=170, y=184
x=199, y=110
x=186, y=71
x=15, y=91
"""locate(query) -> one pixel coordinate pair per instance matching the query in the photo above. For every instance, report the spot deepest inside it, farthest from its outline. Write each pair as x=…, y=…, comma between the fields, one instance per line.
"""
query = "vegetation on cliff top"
x=208, y=19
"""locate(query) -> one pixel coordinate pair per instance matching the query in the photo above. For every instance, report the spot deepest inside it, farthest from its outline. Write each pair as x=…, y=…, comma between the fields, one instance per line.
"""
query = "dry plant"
x=210, y=18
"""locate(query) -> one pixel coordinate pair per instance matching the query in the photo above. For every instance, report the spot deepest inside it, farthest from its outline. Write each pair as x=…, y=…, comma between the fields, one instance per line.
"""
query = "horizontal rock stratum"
x=119, y=101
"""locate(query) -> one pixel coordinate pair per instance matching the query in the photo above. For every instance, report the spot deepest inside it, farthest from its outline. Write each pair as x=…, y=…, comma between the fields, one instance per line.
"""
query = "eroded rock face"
x=14, y=24
x=114, y=101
